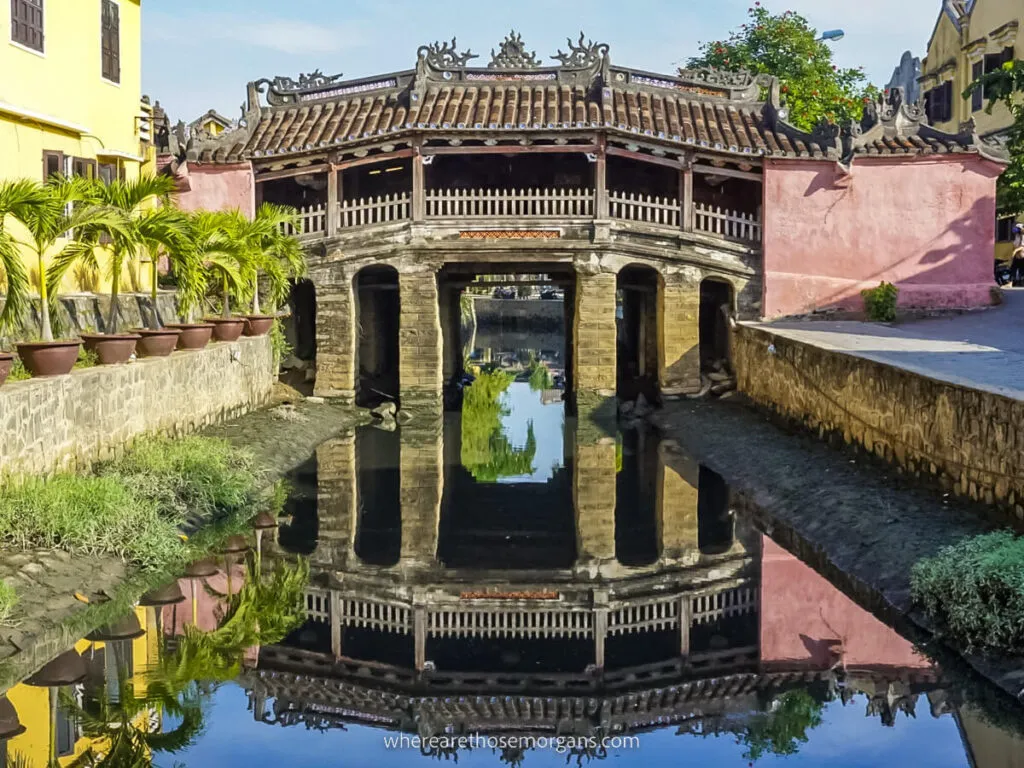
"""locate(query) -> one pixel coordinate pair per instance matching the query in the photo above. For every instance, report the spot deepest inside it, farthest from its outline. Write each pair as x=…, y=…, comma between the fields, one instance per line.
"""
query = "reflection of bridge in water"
x=661, y=609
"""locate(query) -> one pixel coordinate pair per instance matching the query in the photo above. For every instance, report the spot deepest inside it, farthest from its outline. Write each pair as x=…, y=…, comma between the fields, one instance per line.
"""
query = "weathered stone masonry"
x=970, y=440
x=69, y=422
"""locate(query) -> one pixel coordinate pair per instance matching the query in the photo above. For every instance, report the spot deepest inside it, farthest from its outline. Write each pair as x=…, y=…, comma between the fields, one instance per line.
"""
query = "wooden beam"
x=290, y=173
x=355, y=162
x=601, y=180
x=686, y=196
x=512, y=149
x=641, y=157
x=712, y=170
x=418, y=185
x=332, y=202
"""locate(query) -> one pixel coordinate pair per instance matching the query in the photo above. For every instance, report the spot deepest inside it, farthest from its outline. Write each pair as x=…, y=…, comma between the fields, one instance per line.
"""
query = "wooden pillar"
x=601, y=180
x=419, y=631
x=686, y=196
x=418, y=199
x=685, y=620
x=336, y=624
x=600, y=627
x=332, y=201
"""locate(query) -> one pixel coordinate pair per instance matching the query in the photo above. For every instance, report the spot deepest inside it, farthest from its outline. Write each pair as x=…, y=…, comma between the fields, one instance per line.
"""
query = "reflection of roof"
x=704, y=108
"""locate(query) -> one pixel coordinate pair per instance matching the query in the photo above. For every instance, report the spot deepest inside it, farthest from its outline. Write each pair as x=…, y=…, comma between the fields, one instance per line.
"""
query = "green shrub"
x=190, y=477
x=974, y=592
x=89, y=516
x=880, y=302
x=279, y=343
x=86, y=359
x=8, y=600
x=18, y=371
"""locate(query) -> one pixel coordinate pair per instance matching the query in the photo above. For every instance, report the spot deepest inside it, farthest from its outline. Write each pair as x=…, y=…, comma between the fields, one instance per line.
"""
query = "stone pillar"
x=594, y=478
x=336, y=502
x=420, y=341
x=676, y=502
x=422, y=486
x=594, y=334
x=451, y=322
x=335, y=336
x=680, y=317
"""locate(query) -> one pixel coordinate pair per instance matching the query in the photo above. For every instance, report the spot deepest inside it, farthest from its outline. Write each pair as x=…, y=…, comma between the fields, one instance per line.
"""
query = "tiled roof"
x=722, y=111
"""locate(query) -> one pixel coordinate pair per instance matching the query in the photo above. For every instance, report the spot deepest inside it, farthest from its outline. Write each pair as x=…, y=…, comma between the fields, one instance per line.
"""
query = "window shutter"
x=111, y=41
x=978, y=94
x=27, y=23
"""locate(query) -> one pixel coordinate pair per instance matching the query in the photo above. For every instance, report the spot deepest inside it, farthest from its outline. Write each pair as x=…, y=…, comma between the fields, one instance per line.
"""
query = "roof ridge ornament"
x=512, y=54
x=583, y=54
x=741, y=78
x=444, y=55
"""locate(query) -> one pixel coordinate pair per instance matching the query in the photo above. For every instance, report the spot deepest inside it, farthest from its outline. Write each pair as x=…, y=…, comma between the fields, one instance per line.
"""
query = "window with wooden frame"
x=111, y=41
x=53, y=164
x=938, y=103
x=83, y=168
x=107, y=172
x=27, y=24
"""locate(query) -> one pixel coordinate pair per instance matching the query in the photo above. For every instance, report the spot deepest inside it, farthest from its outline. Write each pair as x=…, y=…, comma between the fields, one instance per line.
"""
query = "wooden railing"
x=645, y=209
x=511, y=203
x=383, y=209
x=312, y=222
x=545, y=204
x=732, y=225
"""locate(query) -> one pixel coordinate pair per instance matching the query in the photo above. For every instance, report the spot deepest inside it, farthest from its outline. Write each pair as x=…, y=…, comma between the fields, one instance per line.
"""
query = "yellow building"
x=70, y=95
x=212, y=123
x=971, y=37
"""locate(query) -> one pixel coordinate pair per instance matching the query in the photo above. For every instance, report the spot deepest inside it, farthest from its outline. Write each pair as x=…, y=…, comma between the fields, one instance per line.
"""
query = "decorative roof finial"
x=445, y=55
x=582, y=54
x=512, y=54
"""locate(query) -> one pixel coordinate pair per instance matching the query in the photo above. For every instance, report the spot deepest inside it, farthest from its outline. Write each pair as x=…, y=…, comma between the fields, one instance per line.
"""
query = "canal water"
x=503, y=588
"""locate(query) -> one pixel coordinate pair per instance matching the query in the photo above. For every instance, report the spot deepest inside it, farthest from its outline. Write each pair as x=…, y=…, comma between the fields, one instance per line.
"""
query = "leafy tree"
x=785, y=45
x=782, y=730
x=215, y=255
x=271, y=255
x=486, y=450
x=1006, y=85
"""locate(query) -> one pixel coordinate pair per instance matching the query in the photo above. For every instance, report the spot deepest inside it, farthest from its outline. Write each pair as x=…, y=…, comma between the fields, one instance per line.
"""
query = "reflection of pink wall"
x=801, y=611
x=927, y=225
x=209, y=608
x=218, y=188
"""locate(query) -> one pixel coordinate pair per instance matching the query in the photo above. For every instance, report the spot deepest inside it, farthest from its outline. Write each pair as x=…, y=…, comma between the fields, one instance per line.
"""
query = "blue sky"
x=199, y=54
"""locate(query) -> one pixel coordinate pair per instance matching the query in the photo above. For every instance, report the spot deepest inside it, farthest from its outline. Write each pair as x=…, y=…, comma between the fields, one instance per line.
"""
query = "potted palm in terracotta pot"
x=274, y=258
x=163, y=233
x=225, y=272
x=66, y=208
x=16, y=198
x=210, y=252
x=146, y=225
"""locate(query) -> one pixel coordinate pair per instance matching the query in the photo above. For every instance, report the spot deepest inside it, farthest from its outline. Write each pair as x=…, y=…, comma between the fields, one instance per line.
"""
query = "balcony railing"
x=664, y=213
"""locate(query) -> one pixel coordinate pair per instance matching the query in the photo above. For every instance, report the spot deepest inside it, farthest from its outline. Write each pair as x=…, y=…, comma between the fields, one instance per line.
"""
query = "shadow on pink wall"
x=927, y=225
x=807, y=622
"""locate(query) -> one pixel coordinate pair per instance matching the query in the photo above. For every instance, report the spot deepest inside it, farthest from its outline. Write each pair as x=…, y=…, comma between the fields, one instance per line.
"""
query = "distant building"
x=905, y=76
x=212, y=124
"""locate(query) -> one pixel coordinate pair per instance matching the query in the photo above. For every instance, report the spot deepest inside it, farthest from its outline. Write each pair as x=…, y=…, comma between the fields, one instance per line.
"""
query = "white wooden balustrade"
x=383, y=209
x=733, y=225
x=312, y=221
x=510, y=203
x=645, y=209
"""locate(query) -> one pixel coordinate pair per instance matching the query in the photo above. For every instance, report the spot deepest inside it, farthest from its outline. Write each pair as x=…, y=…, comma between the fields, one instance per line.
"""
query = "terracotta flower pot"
x=6, y=361
x=226, y=328
x=49, y=358
x=156, y=343
x=258, y=325
x=193, y=335
x=111, y=349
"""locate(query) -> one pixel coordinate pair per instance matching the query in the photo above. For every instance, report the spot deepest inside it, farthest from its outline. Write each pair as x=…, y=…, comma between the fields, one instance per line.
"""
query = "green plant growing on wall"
x=18, y=199
x=974, y=592
x=8, y=602
x=880, y=302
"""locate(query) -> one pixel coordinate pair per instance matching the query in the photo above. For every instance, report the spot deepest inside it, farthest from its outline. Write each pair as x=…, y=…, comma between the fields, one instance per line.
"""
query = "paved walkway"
x=983, y=349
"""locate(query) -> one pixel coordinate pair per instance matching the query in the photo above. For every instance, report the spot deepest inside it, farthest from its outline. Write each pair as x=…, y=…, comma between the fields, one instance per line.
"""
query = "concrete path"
x=983, y=349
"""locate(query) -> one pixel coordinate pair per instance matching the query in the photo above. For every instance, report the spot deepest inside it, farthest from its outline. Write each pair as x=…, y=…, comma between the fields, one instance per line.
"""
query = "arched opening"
x=636, y=519
x=377, y=322
x=715, y=528
x=716, y=302
x=636, y=320
x=301, y=534
x=299, y=368
x=378, y=492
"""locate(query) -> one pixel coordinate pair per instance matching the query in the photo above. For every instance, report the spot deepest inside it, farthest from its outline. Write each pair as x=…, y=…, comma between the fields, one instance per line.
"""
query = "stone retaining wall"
x=69, y=422
x=527, y=314
x=969, y=440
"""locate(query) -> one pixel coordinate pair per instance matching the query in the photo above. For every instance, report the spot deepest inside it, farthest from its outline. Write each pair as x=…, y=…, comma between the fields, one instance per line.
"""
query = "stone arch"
x=639, y=308
x=717, y=308
x=377, y=319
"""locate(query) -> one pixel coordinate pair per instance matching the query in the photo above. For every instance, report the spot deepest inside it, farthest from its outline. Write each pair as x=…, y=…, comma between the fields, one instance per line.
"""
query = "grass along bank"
x=135, y=508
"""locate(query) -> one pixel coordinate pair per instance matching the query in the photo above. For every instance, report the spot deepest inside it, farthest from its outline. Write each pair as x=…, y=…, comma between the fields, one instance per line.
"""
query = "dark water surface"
x=499, y=590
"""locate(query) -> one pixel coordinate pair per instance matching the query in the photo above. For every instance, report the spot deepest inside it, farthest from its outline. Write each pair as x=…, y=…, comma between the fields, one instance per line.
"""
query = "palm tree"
x=165, y=231
x=17, y=198
x=66, y=209
x=143, y=227
x=272, y=254
x=213, y=253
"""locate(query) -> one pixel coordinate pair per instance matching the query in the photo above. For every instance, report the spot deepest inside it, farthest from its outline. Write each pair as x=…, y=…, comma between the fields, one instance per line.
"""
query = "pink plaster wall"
x=803, y=616
x=218, y=188
x=924, y=224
